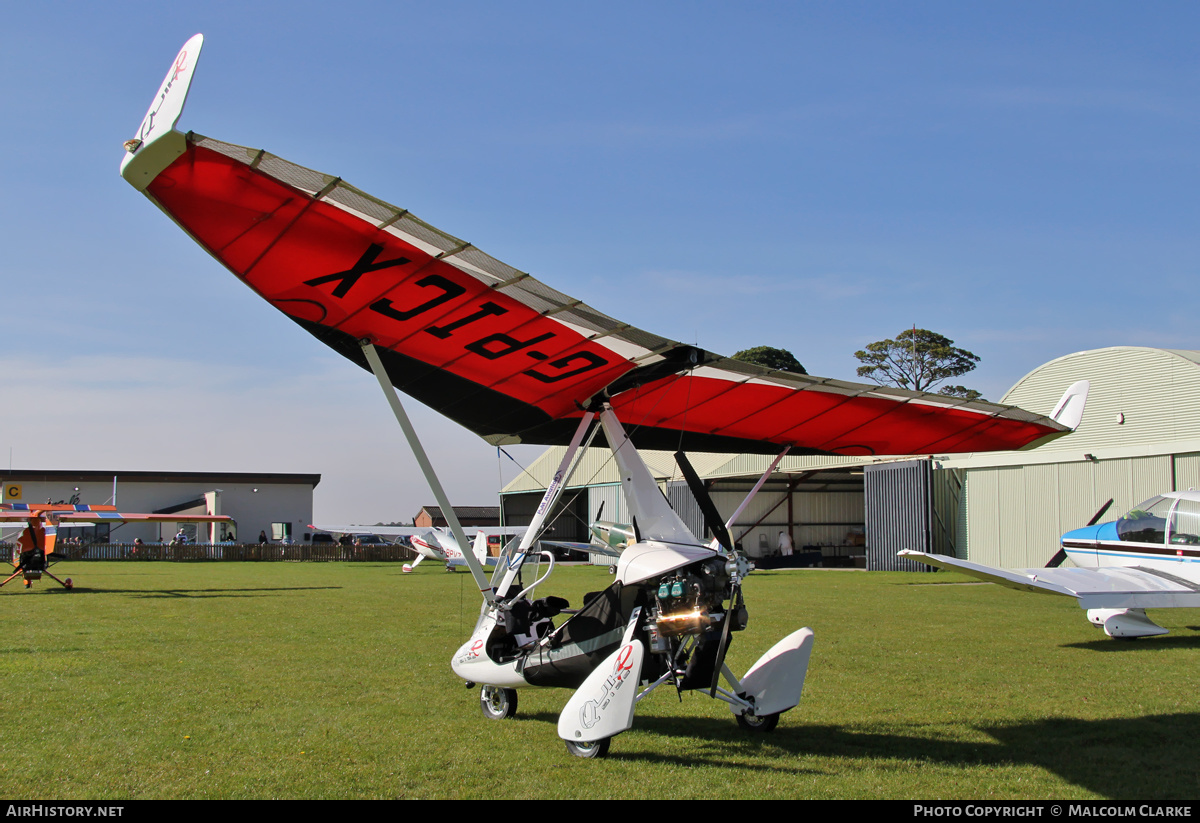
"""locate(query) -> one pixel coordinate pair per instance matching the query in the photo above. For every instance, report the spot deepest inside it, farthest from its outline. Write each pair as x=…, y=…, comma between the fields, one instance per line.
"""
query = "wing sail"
x=509, y=357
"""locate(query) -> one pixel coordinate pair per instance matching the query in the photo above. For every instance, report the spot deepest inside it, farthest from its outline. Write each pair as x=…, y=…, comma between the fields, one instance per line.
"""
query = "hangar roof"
x=1142, y=401
x=1138, y=396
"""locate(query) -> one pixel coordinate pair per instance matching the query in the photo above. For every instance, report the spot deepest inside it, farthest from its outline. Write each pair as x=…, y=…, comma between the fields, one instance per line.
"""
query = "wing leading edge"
x=500, y=352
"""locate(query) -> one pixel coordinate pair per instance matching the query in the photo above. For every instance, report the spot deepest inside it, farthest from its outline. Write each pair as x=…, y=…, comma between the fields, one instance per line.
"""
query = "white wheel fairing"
x=603, y=705
x=776, y=681
x=1125, y=623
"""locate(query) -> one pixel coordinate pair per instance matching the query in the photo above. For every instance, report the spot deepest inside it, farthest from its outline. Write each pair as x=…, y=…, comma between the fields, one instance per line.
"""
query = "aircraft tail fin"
x=481, y=550
x=1069, y=411
x=157, y=143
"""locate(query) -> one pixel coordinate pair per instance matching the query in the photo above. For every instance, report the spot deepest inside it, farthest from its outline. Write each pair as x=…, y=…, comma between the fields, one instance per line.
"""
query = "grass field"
x=331, y=680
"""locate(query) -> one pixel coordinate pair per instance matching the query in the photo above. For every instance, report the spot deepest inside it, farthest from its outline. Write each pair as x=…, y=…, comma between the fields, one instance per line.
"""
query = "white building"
x=281, y=505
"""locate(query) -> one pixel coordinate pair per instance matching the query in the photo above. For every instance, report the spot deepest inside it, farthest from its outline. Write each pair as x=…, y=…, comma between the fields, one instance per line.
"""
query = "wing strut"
x=770, y=470
x=431, y=477
x=561, y=478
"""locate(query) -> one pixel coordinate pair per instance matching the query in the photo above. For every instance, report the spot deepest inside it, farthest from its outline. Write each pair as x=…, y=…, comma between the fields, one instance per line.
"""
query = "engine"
x=690, y=601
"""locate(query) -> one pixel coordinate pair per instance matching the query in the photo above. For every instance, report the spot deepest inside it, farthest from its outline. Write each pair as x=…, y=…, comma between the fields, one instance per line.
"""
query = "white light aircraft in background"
x=1149, y=559
x=517, y=361
x=434, y=542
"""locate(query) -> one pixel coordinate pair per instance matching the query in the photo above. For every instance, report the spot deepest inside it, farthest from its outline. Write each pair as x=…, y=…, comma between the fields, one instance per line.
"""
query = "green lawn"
x=329, y=680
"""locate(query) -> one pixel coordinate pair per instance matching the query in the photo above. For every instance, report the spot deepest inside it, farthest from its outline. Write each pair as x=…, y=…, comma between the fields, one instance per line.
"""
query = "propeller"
x=1061, y=555
x=735, y=601
x=714, y=523
x=712, y=518
x=1096, y=517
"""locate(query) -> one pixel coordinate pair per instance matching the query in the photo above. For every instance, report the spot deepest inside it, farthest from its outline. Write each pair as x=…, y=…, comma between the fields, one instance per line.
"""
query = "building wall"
x=1139, y=437
x=255, y=503
x=1016, y=514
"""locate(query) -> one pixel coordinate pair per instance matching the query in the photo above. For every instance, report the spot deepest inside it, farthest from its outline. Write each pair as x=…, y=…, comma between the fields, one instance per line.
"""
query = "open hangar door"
x=820, y=511
x=569, y=522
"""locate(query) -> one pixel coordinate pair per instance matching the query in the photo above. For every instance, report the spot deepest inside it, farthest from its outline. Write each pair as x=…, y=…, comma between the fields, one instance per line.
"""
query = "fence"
x=299, y=553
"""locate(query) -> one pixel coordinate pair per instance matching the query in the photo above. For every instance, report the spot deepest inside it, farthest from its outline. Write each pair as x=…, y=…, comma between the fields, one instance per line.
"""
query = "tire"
x=761, y=725
x=595, y=749
x=497, y=703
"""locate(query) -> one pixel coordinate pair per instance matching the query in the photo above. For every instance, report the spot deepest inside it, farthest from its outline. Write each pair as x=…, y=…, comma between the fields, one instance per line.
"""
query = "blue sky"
x=1021, y=177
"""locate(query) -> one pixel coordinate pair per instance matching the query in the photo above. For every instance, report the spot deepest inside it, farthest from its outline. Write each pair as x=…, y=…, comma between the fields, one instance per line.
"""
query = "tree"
x=917, y=359
x=960, y=391
x=778, y=359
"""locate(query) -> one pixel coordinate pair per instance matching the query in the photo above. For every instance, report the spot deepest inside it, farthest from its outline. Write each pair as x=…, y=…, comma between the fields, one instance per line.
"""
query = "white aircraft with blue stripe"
x=1148, y=559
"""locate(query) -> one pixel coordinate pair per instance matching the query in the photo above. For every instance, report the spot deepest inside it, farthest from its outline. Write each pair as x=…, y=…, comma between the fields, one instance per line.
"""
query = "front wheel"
x=754, y=723
x=594, y=749
x=498, y=703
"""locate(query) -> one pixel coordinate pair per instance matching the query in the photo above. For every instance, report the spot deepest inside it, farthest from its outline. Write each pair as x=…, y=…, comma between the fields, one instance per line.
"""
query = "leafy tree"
x=917, y=359
x=960, y=391
x=778, y=359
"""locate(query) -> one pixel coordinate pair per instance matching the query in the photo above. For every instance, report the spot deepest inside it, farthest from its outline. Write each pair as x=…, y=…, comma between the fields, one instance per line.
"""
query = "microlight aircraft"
x=1149, y=559
x=434, y=543
x=33, y=553
x=516, y=361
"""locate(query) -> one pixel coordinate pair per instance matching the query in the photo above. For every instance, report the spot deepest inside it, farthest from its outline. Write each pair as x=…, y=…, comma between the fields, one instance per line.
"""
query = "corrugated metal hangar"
x=1139, y=436
x=816, y=501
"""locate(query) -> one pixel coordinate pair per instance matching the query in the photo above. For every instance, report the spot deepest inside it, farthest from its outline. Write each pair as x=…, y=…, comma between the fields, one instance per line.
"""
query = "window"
x=1185, y=523
x=1147, y=522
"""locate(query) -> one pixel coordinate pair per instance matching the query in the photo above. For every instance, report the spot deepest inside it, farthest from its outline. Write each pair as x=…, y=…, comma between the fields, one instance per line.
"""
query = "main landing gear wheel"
x=498, y=703
x=597, y=748
x=762, y=725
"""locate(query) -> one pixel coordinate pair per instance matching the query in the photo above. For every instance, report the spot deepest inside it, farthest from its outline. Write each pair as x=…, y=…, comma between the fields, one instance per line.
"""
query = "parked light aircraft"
x=514, y=360
x=434, y=543
x=1149, y=559
x=607, y=537
x=33, y=553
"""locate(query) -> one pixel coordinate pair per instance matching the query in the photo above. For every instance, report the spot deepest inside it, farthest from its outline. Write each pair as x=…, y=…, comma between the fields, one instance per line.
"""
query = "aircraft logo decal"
x=590, y=712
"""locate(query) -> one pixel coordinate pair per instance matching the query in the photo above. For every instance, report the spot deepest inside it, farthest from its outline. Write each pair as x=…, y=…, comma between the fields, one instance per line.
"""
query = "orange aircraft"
x=34, y=551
